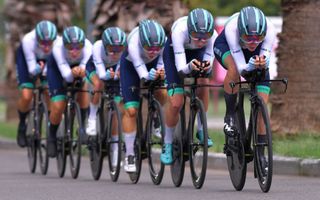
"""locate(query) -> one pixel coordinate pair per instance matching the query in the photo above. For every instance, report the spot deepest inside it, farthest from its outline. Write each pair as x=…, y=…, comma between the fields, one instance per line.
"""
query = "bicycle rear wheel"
x=76, y=129
x=263, y=168
x=134, y=177
x=31, y=142
x=61, y=147
x=43, y=128
x=236, y=161
x=177, y=167
x=114, y=146
x=198, y=152
x=95, y=145
x=155, y=123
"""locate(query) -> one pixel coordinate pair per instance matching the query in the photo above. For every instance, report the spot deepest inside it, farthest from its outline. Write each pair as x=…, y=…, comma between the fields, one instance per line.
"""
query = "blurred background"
x=296, y=53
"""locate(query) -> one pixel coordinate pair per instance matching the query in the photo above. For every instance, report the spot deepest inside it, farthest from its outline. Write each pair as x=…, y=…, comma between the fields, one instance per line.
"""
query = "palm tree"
x=298, y=59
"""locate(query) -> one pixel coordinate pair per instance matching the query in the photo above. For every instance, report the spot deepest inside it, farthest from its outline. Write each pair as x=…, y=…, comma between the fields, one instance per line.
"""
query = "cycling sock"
x=114, y=146
x=84, y=113
x=231, y=100
x=23, y=116
x=129, y=140
x=168, y=138
x=53, y=131
x=93, y=111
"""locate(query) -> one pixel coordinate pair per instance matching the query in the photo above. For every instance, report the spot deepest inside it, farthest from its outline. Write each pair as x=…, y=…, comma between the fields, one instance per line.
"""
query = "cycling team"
x=147, y=54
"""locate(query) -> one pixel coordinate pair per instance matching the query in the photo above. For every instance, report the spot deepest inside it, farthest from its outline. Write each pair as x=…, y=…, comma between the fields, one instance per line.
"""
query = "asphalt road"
x=17, y=183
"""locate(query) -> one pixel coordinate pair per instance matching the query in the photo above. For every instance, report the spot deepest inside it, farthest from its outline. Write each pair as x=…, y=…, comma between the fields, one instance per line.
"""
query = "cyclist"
x=190, y=43
x=141, y=61
x=106, y=57
x=68, y=61
x=31, y=60
x=244, y=45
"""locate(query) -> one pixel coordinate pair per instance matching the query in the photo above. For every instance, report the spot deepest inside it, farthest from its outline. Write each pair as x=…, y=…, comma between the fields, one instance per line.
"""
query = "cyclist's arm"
x=117, y=71
x=268, y=42
x=62, y=63
x=138, y=63
x=87, y=52
x=232, y=38
x=178, y=39
x=209, y=55
x=97, y=60
x=160, y=64
x=28, y=46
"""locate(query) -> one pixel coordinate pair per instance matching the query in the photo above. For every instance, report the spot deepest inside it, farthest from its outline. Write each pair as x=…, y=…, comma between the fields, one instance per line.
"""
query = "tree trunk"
x=296, y=111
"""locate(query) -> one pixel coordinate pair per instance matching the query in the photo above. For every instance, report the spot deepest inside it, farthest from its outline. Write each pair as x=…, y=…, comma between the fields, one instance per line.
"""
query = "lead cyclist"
x=245, y=44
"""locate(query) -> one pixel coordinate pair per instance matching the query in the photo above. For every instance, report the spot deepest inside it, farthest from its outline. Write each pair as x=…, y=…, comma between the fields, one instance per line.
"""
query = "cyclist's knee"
x=26, y=96
x=131, y=112
x=57, y=108
x=176, y=103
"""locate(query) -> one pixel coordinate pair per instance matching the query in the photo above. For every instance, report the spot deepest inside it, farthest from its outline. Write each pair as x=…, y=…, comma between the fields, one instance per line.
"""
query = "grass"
x=302, y=146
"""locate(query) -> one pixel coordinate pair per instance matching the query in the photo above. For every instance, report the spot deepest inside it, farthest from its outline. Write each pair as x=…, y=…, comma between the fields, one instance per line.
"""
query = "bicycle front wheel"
x=177, y=167
x=61, y=147
x=114, y=130
x=236, y=161
x=155, y=137
x=43, y=128
x=75, y=129
x=263, y=157
x=198, y=143
x=31, y=142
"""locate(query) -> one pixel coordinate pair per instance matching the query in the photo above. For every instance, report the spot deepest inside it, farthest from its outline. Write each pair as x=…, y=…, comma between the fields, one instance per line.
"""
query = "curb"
x=281, y=165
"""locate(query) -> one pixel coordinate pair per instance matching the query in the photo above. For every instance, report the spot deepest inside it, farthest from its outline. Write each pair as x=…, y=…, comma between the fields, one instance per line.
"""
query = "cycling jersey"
x=180, y=49
x=102, y=61
x=65, y=62
x=228, y=42
x=135, y=65
x=60, y=68
x=27, y=57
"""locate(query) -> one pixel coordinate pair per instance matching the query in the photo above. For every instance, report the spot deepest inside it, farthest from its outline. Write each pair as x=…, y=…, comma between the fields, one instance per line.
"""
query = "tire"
x=264, y=179
x=76, y=129
x=43, y=128
x=198, y=153
x=113, y=115
x=236, y=161
x=177, y=167
x=31, y=142
x=95, y=145
x=154, y=143
x=62, y=147
x=134, y=177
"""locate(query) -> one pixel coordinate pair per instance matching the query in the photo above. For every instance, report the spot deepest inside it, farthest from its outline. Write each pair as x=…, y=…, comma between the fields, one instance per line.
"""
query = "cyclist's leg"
x=129, y=78
x=97, y=86
x=174, y=103
x=224, y=57
x=263, y=92
x=25, y=85
x=58, y=97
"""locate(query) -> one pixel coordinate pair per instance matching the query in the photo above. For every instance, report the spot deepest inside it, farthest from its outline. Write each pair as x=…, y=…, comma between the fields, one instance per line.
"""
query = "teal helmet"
x=252, y=23
x=114, y=39
x=200, y=22
x=46, y=31
x=151, y=34
x=73, y=36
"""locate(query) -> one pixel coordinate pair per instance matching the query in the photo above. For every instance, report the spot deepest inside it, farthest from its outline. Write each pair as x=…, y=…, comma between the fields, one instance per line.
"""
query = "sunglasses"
x=154, y=49
x=115, y=48
x=252, y=39
x=200, y=36
x=74, y=46
x=45, y=42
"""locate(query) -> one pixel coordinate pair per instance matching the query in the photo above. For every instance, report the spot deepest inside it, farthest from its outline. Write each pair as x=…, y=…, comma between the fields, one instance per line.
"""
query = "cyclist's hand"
x=117, y=74
x=110, y=74
x=82, y=73
x=194, y=65
x=206, y=66
x=41, y=64
x=264, y=62
x=254, y=63
x=161, y=73
x=153, y=75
